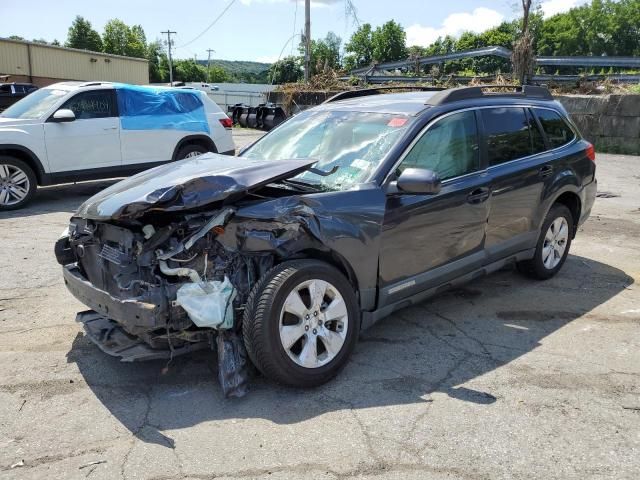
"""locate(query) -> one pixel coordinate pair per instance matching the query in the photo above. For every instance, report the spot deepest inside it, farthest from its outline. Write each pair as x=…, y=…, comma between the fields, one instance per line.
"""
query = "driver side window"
x=449, y=147
x=94, y=104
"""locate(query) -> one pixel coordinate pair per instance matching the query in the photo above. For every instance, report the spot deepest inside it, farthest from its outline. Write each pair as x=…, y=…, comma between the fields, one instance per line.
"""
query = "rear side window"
x=508, y=134
x=556, y=129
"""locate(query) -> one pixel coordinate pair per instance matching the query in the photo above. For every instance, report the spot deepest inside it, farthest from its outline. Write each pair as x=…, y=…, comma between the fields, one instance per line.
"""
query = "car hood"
x=187, y=184
x=16, y=122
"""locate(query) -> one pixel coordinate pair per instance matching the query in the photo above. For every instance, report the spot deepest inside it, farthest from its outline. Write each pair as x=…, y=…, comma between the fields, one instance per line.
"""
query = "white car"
x=74, y=131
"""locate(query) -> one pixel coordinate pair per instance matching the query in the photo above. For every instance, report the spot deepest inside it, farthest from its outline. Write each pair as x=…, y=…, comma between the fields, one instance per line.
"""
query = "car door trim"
x=370, y=318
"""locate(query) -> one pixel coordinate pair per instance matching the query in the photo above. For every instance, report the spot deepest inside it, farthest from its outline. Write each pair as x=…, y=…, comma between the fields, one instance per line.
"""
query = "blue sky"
x=257, y=29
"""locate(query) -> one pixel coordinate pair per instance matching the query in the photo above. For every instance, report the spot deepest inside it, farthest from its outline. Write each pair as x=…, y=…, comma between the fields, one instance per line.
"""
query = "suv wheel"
x=17, y=183
x=190, y=151
x=301, y=323
x=553, y=245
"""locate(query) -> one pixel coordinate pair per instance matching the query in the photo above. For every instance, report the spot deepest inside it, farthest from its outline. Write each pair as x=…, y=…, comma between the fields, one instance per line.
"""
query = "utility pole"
x=169, y=33
x=307, y=40
x=209, y=62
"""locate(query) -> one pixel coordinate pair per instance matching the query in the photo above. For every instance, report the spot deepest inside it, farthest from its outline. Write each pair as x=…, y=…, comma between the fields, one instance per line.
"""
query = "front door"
x=428, y=239
x=92, y=140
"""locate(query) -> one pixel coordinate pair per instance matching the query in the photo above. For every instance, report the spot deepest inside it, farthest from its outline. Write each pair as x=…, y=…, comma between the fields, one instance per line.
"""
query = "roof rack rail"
x=94, y=84
x=377, y=91
x=480, y=91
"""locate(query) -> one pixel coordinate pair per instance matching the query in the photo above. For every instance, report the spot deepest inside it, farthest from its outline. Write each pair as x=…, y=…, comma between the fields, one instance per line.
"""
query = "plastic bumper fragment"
x=233, y=365
x=114, y=341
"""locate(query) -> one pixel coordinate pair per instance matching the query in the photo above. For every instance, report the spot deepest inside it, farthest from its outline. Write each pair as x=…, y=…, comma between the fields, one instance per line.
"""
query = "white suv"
x=74, y=131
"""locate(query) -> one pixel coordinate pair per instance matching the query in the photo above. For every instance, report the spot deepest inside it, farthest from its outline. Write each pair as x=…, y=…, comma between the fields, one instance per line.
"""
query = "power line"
x=210, y=25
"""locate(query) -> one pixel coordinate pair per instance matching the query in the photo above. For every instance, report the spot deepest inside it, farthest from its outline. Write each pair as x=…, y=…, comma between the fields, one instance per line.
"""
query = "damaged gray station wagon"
x=340, y=216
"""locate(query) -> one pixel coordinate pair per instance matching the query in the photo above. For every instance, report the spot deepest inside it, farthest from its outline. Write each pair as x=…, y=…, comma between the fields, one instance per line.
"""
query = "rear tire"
x=309, y=347
x=553, y=244
x=18, y=183
x=191, y=151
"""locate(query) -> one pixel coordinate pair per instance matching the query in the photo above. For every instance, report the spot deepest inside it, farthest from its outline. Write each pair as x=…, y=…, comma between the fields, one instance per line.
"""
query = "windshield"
x=34, y=105
x=355, y=142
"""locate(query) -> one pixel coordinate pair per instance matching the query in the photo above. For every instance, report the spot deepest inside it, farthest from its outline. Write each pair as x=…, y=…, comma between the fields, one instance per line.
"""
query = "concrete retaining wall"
x=610, y=122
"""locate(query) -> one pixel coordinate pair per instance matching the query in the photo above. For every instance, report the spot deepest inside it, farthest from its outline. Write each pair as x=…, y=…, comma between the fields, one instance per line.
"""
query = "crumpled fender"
x=347, y=223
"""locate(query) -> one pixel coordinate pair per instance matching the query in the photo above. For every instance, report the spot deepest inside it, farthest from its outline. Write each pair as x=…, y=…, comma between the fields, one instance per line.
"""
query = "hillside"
x=252, y=72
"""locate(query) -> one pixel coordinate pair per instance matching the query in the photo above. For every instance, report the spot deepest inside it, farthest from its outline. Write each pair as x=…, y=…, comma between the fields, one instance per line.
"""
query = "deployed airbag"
x=212, y=309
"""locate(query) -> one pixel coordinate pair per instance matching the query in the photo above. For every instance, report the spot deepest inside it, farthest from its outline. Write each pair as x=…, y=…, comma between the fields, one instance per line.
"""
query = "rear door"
x=518, y=168
x=428, y=239
x=92, y=140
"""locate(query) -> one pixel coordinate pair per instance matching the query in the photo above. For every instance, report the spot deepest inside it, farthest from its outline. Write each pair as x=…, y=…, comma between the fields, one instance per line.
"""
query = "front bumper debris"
x=130, y=312
x=113, y=340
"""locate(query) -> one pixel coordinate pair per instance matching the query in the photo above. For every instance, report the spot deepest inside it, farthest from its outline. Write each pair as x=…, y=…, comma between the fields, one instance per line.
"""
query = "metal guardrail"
x=622, y=78
x=478, y=52
x=497, y=51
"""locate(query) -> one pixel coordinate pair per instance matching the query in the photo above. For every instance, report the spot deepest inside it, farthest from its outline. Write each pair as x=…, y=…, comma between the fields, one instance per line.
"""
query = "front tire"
x=18, y=183
x=553, y=244
x=301, y=323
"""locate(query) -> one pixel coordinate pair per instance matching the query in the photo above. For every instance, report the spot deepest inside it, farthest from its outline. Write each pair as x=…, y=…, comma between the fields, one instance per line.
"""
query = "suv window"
x=537, y=140
x=449, y=147
x=508, y=134
x=89, y=105
x=5, y=89
x=557, y=131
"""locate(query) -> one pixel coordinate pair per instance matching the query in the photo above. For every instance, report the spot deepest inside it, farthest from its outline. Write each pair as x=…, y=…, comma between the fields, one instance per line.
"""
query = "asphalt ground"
x=504, y=378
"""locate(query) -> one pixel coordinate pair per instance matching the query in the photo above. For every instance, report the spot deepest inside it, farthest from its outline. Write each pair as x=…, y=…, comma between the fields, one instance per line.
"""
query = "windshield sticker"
x=397, y=122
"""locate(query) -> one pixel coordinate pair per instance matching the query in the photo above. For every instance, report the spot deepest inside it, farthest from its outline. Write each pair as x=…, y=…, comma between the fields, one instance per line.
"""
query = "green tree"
x=359, y=48
x=286, y=70
x=155, y=55
x=325, y=53
x=82, y=35
x=136, y=42
x=389, y=42
x=189, y=71
x=116, y=37
x=218, y=74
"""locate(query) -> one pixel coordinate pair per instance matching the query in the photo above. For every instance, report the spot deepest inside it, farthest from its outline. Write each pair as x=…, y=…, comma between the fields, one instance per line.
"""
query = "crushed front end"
x=131, y=274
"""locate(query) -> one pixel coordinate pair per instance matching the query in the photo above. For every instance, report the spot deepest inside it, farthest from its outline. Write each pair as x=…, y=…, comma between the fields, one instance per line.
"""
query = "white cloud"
x=479, y=20
x=552, y=7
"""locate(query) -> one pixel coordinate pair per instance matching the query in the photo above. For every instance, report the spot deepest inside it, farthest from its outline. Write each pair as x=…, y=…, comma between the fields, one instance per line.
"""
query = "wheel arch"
x=200, y=139
x=334, y=259
x=23, y=153
x=572, y=201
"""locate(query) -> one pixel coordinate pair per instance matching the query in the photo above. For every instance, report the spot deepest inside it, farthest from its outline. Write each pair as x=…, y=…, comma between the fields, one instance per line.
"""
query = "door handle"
x=110, y=128
x=545, y=171
x=478, y=195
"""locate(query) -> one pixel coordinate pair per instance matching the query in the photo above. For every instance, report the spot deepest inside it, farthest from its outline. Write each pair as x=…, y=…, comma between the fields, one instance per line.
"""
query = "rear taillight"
x=591, y=152
x=226, y=122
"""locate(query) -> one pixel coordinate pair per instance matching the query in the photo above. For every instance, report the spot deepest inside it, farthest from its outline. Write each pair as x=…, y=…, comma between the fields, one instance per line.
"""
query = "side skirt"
x=370, y=318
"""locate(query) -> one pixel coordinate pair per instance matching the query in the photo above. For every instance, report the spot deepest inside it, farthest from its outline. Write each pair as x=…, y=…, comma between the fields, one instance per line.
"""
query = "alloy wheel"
x=313, y=323
x=555, y=243
x=14, y=185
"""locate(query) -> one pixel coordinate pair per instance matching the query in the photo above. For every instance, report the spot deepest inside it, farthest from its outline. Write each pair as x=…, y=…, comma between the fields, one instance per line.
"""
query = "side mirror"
x=63, y=115
x=419, y=180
